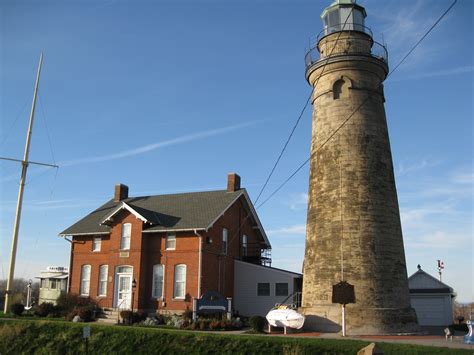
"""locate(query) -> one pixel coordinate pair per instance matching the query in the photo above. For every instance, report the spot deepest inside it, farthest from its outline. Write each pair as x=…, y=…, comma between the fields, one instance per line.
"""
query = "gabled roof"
x=162, y=213
x=422, y=282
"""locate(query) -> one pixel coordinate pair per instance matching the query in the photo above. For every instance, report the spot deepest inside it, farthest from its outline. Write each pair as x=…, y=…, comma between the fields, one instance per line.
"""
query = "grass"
x=45, y=337
x=29, y=316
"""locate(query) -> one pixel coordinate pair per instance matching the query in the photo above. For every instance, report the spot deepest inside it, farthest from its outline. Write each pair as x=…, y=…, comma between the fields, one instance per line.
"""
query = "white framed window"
x=179, y=281
x=244, y=245
x=225, y=239
x=126, y=235
x=96, y=243
x=44, y=283
x=85, y=280
x=170, y=241
x=158, y=278
x=53, y=284
x=103, y=275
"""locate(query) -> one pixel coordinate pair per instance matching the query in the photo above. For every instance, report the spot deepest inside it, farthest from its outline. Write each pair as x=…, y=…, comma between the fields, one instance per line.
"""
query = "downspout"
x=199, y=263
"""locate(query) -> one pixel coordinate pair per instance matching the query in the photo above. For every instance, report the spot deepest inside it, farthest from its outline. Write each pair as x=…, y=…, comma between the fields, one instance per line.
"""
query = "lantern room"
x=343, y=15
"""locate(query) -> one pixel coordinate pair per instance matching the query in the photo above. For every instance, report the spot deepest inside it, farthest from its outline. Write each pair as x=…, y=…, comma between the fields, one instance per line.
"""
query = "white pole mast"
x=24, y=169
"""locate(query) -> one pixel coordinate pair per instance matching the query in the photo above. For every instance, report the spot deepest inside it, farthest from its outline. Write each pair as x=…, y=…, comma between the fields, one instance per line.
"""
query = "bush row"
x=68, y=306
x=27, y=337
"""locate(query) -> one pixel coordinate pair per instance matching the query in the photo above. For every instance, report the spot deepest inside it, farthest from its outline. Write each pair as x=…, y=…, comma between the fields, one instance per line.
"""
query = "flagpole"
x=16, y=227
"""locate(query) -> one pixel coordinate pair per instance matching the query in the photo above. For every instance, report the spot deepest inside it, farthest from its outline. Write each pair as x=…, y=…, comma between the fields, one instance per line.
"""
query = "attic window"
x=171, y=241
x=126, y=235
x=96, y=244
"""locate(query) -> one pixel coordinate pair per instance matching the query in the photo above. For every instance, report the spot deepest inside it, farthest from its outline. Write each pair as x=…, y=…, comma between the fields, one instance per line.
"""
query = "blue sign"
x=211, y=302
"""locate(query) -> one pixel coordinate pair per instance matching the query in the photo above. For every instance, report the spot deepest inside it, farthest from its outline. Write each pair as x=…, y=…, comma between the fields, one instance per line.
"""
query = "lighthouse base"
x=361, y=320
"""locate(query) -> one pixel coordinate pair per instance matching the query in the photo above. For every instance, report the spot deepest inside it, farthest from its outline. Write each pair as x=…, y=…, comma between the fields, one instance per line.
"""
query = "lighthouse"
x=353, y=229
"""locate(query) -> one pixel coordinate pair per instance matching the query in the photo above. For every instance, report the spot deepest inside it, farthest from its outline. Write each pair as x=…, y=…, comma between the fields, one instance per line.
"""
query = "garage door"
x=430, y=310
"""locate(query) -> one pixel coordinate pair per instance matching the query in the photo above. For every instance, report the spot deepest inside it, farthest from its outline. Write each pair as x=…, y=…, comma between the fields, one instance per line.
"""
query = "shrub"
x=141, y=316
x=160, y=319
x=70, y=316
x=214, y=325
x=127, y=316
x=17, y=309
x=257, y=323
x=237, y=323
x=86, y=314
x=188, y=314
x=459, y=327
x=70, y=301
x=203, y=324
x=44, y=309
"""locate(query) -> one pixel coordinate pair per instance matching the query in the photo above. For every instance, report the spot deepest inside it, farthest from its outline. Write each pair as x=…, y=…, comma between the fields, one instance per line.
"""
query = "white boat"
x=286, y=317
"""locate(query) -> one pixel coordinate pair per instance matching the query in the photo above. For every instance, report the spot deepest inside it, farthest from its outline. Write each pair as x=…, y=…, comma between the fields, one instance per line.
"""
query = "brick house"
x=159, y=252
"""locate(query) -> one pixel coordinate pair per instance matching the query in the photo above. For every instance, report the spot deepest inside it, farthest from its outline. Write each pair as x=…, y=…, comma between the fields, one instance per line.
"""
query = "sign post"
x=343, y=293
x=86, y=333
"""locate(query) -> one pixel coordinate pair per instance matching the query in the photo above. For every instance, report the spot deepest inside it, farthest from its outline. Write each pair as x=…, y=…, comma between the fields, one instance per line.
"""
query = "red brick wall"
x=218, y=269
x=108, y=255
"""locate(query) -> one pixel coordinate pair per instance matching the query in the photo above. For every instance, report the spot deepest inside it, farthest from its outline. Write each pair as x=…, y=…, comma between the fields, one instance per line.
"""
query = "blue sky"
x=171, y=96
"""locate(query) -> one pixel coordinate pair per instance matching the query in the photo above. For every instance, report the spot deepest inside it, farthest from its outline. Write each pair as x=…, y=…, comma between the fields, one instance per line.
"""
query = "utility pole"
x=24, y=169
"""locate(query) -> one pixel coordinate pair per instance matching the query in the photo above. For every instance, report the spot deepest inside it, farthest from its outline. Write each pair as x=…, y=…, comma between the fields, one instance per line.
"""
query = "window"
x=170, y=241
x=244, y=245
x=85, y=279
x=96, y=243
x=126, y=233
x=158, y=275
x=53, y=284
x=225, y=237
x=179, y=281
x=124, y=269
x=103, y=275
x=44, y=283
x=281, y=289
x=263, y=289
x=341, y=87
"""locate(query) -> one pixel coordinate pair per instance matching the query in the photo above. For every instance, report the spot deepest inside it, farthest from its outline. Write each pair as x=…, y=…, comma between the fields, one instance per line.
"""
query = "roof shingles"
x=195, y=210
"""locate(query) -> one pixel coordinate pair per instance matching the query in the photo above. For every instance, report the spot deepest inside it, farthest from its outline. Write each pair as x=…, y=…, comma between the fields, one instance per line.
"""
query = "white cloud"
x=440, y=240
x=298, y=229
x=142, y=149
x=454, y=71
x=463, y=177
x=154, y=146
x=405, y=168
x=298, y=201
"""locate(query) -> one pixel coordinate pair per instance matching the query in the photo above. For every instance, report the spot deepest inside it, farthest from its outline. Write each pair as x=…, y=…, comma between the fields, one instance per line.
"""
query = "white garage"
x=431, y=299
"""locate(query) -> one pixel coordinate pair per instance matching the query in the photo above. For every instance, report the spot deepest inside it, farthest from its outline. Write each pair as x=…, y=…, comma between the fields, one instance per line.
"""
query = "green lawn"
x=45, y=337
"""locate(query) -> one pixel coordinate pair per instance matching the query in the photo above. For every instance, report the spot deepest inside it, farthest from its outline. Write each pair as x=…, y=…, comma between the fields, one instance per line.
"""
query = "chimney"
x=121, y=192
x=233, y=182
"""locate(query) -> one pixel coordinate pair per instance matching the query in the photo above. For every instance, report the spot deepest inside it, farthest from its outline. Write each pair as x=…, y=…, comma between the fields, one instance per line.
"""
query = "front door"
x=123, y=282
x=124, y=296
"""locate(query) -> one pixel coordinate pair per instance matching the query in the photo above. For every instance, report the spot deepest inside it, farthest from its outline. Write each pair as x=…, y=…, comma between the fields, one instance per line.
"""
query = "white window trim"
x=96, y=241
x=82, y=291
x=122, y=237
x=162, y=283
x=184, y=282
x=168, y=235
x=106, y=280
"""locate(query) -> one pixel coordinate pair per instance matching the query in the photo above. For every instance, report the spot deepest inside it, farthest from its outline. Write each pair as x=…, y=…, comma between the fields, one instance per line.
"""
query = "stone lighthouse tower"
x=353, y=224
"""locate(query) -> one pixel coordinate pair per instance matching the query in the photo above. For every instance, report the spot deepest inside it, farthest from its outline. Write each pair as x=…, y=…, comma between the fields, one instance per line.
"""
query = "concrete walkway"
x=427, y=340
